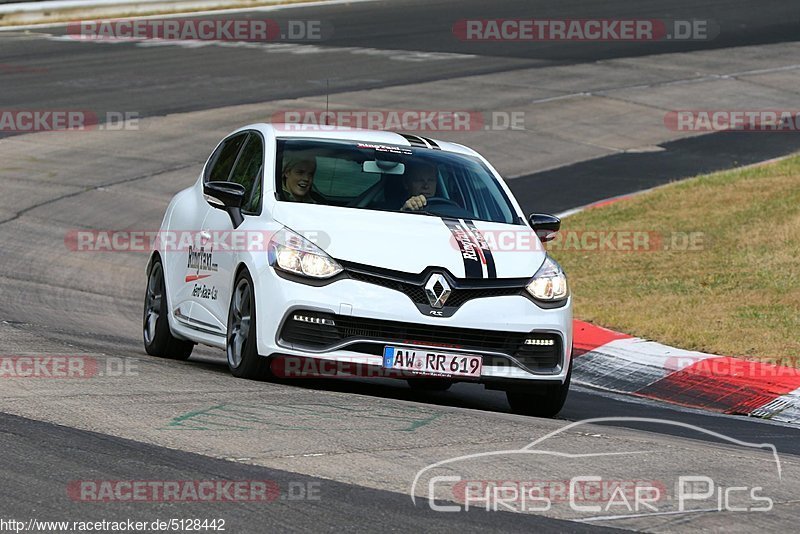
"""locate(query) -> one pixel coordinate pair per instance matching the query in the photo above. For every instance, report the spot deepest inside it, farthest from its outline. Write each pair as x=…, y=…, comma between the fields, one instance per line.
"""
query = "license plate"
x=432, y=362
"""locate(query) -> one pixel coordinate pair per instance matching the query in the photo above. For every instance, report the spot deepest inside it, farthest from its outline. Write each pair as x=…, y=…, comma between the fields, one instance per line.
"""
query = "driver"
x=420, y=183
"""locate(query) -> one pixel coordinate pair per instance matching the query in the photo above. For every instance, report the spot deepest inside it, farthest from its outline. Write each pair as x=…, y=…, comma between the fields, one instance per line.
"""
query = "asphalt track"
x=338, y=504
x=50, y=297
x=161, y=80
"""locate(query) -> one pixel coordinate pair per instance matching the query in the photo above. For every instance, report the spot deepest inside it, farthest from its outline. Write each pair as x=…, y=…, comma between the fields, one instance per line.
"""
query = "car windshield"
x=417, y=181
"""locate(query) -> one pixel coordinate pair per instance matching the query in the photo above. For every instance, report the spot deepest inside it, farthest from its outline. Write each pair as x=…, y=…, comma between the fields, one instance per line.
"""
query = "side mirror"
x=226, y=196
x=546, y=226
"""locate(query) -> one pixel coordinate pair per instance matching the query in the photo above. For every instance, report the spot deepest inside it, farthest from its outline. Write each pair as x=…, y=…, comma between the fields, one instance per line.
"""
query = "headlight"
x=549, y=283
x=294, y=253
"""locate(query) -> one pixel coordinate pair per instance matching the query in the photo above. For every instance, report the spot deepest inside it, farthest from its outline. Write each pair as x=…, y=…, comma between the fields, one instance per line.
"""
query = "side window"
x=221, y=163
x=247, y=172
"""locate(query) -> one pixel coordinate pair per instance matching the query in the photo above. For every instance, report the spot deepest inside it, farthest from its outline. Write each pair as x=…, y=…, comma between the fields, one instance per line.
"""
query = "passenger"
x=298, y=177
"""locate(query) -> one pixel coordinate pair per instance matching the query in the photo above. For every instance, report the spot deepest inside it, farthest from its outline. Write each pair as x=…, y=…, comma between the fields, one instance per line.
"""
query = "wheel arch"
x=155, y=255
x=242, y=266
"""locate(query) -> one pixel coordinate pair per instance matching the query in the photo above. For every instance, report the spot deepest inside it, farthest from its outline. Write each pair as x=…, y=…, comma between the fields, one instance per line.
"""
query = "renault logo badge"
x=437, y=290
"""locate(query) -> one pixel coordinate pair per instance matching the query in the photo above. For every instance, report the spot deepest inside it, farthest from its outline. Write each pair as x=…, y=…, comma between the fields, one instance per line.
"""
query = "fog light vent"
x=540, y=342
x=313, y=320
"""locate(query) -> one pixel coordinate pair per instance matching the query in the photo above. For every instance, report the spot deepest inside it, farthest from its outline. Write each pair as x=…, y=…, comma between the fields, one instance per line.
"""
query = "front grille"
x=460, y=296
x=413, y=291
x=416, y=291
x=318, y=336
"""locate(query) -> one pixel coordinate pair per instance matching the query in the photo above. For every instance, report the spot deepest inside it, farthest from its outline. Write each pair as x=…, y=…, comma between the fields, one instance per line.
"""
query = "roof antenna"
x=327, y=92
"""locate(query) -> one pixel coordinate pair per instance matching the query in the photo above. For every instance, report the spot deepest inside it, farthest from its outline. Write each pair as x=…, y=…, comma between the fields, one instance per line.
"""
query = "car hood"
x=411, y=243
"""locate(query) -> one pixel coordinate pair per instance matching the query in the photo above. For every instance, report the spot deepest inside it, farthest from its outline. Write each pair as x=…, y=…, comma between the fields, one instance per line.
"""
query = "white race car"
x=383, y=251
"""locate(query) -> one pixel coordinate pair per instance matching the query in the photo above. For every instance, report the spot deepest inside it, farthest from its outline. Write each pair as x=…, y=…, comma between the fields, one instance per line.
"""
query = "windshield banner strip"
x=483, y=248
x=473, y=266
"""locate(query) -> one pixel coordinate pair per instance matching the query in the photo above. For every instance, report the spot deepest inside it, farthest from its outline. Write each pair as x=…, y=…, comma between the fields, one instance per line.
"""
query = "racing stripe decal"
x=473, y=266
x=486, y=252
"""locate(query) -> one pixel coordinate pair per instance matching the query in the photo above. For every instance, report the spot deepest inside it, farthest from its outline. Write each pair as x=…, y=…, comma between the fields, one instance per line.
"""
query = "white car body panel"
x=397, y=241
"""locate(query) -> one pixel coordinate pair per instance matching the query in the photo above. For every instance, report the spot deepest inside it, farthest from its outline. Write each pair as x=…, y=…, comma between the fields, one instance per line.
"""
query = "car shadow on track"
x=582, y=403
x=460, y=395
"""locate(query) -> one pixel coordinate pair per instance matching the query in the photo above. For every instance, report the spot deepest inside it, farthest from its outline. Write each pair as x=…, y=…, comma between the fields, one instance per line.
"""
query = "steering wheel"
x=441, y=201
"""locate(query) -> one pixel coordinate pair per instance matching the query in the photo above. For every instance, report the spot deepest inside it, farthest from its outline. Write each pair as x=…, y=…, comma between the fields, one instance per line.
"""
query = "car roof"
x=338, y=133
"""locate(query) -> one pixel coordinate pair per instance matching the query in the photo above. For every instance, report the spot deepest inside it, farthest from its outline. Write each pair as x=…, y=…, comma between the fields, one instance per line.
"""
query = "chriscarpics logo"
x=592, y=471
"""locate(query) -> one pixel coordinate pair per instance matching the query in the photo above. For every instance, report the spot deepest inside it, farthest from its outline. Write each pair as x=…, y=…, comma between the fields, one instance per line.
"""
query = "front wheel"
x=545, y=401
x=241, y=346
x=158, y=338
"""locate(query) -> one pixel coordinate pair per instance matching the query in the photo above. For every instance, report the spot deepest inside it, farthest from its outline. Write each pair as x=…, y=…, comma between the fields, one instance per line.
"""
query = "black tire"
x=241, y=347
x=544, y=401
x=429, y=384
x=158, y=338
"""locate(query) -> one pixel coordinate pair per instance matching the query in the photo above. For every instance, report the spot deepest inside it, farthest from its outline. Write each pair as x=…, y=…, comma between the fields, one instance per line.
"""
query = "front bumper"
x=368, y=317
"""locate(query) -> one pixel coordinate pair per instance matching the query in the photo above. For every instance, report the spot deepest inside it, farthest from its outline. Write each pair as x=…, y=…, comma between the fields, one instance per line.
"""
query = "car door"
x=202, y=263
x=247, y=170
